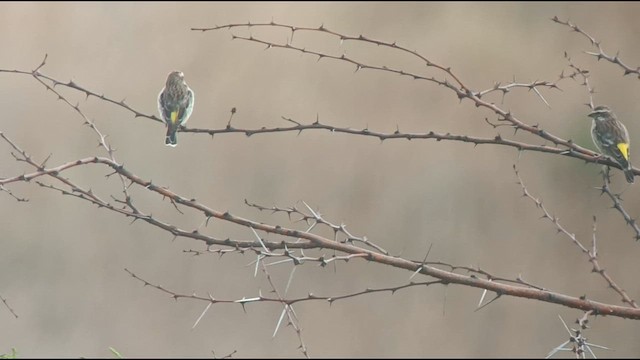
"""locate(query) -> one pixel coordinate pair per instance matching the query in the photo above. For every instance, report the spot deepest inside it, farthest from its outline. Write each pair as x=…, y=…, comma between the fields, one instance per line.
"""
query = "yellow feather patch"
x=624, y=149
x=174, y=117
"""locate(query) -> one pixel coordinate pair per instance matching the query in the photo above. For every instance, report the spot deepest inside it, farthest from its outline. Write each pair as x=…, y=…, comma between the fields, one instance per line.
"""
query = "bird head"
x=175, y=77
x=601, y=112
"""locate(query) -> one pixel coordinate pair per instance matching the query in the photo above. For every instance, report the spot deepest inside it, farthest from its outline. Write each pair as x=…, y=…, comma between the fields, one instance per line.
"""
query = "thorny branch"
x=591, y=254
x=616, y=199
x=310, y=240
x=579, y=344
x=461, y=90
x=6, y=304
x=261, y=298
x=296, y=240
x=562, y=147
x=605, y=188
x=292, y=318
x=599, y=54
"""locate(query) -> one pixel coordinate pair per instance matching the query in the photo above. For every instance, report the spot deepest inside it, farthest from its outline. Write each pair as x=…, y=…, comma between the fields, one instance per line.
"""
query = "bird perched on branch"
x=611, y=137
x=175, y=104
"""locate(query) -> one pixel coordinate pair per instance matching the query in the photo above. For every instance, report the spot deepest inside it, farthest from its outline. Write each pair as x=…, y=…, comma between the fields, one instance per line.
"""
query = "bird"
x=612, y=138
x=175, y=104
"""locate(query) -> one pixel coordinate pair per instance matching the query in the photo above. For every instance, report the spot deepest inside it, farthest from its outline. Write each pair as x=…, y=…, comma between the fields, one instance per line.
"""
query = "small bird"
x=175, y=104
x=611, y=137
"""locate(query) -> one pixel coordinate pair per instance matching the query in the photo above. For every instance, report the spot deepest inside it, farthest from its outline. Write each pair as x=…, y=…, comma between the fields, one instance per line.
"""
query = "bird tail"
x=172, y=138
x=628, y=173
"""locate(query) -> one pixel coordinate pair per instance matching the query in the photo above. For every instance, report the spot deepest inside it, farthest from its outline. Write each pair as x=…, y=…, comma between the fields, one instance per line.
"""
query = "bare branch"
x=599, y=53
x=592, y=255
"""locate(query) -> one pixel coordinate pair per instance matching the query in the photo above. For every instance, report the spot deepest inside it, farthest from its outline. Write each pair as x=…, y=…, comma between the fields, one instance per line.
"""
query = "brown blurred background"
x=62, y=260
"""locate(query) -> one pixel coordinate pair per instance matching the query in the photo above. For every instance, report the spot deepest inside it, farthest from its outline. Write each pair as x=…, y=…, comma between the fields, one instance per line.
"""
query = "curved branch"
x=313, y=240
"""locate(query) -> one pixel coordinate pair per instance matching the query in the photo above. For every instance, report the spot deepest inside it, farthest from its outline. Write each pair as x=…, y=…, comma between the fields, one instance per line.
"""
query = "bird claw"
x=599, y=157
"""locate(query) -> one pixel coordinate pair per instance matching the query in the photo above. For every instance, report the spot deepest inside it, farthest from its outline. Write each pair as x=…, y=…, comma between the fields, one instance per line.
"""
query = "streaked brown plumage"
x=612, y=138
x=175, y=104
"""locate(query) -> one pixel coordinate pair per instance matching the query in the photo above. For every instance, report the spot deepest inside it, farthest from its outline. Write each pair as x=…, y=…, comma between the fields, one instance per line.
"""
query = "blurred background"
x=62, y=260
